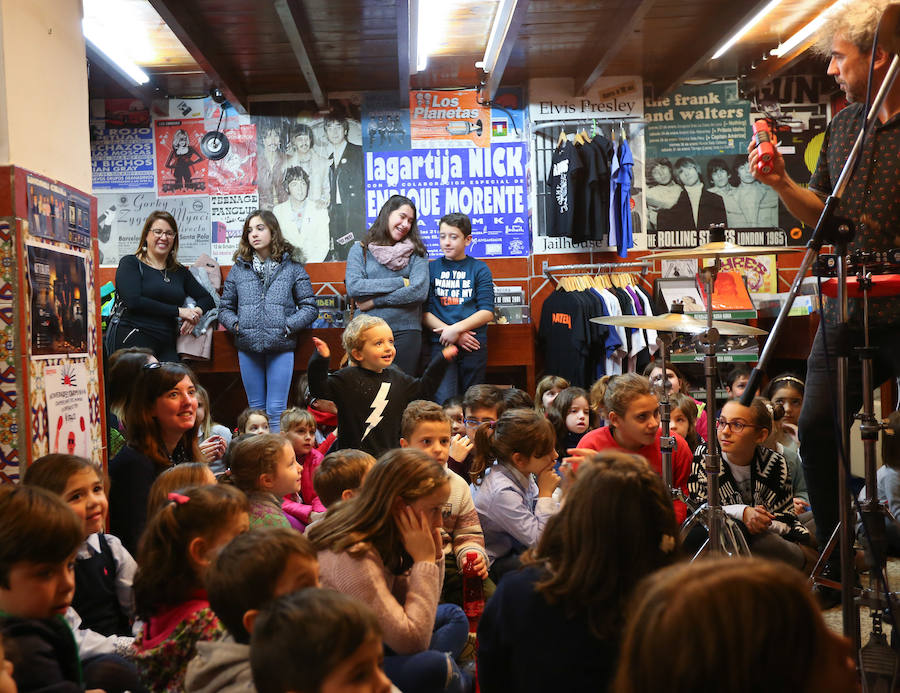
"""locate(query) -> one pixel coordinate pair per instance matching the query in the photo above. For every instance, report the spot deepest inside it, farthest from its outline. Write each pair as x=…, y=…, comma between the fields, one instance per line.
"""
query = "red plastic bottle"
x=473, y=591
x=764, y=139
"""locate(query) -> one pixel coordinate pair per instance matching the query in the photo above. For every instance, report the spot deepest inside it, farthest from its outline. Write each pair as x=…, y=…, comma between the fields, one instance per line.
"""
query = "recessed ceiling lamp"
x=738, y=35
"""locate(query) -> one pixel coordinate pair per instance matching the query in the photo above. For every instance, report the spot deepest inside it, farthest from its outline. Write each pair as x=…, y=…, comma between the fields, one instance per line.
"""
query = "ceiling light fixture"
x=431, y=24
x=499, y=29
x=113, y=33
x=804, y=33
x=738, y=35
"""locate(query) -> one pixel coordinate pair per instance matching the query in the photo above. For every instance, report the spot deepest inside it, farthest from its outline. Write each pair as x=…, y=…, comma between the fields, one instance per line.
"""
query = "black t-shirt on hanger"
x=562, y=188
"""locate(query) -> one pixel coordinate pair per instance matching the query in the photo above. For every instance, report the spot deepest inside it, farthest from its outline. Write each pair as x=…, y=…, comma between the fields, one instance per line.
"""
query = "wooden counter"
x=509, y=347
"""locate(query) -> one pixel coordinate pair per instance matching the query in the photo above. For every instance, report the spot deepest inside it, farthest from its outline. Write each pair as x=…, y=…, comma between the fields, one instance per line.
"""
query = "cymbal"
x=677, y=322
x=721, y=249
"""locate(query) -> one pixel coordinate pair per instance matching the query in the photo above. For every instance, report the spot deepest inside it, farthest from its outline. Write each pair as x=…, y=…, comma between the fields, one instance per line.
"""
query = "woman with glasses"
x=161, y=428
x=754, y=485
x=154, y=286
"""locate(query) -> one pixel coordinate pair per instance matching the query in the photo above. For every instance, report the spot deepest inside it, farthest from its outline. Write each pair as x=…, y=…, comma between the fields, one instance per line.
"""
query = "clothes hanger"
x=584, y=135
x=562, y=138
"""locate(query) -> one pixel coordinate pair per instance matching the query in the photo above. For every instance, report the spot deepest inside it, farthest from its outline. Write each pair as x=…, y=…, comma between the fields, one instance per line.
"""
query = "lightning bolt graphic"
x=378, y=405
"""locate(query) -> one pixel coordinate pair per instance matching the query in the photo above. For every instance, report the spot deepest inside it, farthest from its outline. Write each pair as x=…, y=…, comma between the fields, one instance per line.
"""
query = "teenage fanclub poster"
x=488, y=184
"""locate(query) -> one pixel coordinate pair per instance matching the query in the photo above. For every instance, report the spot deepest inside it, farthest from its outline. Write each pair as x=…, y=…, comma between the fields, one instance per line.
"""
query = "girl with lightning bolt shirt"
x=369, y=394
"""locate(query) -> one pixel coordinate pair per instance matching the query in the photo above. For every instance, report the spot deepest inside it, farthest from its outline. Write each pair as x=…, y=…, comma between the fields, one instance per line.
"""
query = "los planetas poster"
x=487, y=183
x=441, y=118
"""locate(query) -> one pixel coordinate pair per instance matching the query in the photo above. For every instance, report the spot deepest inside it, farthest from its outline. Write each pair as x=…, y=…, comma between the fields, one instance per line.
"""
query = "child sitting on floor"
x=317, y=641
x=341, y=474
x=299, y=426
x=179, y=544
x=256, y=567
x=426, y=427
x=265, y=468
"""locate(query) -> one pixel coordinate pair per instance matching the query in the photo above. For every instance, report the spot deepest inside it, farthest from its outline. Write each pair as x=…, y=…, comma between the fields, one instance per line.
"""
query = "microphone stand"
x=839, y=232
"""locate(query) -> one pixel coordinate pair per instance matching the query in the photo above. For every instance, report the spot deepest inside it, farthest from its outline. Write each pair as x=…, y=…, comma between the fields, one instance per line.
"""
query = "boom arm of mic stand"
x=824, y=226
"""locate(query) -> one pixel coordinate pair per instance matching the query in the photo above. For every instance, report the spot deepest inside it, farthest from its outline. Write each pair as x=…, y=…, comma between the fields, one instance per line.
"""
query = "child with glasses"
x=754, y=485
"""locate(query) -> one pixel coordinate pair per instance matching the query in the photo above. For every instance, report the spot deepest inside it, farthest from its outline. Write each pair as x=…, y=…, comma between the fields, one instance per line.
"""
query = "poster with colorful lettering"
x=235, y=174
x=385, y=127
x=180, y=167
x=697, y=171
x=121, y=157
x=488, y=184
x=120, y=218
x=454, y=118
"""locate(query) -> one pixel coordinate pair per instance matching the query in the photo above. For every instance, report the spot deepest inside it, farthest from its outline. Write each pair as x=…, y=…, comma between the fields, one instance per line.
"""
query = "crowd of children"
x=337, y=553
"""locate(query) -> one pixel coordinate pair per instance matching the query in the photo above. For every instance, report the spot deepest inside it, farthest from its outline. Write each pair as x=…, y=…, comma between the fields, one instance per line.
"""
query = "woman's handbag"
x=112, y=322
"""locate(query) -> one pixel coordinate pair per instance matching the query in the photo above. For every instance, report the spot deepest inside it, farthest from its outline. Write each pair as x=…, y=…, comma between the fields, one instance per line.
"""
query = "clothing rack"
x=598, y=267
x=600, y=121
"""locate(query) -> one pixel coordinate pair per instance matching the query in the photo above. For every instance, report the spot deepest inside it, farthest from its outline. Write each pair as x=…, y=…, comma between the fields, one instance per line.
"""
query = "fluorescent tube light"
x=113, y=30
x=804, y=33
x=738, y=35
x=499, y=29
x=431, y=26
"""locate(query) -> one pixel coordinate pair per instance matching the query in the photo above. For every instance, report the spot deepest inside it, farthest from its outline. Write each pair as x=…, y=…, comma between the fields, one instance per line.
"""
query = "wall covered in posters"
x=313, y=172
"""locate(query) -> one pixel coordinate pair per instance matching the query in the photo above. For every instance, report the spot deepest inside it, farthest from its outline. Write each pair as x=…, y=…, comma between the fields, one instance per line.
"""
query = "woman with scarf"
x=266, y=301
x=387, y=275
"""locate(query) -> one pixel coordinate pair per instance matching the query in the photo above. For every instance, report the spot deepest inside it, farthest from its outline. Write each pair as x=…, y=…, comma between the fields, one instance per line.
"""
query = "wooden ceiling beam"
x=145, y=93
x=701, y=51
x=506, y=45
x=627, y=20
x=198, y=40
x=407, y=33
x=291, y=19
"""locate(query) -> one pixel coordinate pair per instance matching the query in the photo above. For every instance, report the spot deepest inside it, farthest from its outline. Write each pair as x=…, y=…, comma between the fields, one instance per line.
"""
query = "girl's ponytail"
x=484, y=451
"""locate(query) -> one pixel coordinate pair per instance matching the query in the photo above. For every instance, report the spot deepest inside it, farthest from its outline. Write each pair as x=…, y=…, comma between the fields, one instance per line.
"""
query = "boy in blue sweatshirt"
x=459, y=307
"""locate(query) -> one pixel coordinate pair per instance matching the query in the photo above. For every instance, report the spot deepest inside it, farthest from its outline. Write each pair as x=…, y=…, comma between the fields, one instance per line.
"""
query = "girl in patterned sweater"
x=265, y=468
x=177, y=547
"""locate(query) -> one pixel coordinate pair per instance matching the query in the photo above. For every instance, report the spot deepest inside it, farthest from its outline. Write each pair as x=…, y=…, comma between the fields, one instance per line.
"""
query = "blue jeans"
x=435, y=669
x=409, y=348
x=819, y=440
x=465, y=370
x=267, y=382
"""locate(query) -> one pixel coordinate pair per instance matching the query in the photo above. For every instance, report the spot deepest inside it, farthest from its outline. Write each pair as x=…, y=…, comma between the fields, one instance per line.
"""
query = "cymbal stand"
x=724, y=536
x=667, y=441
